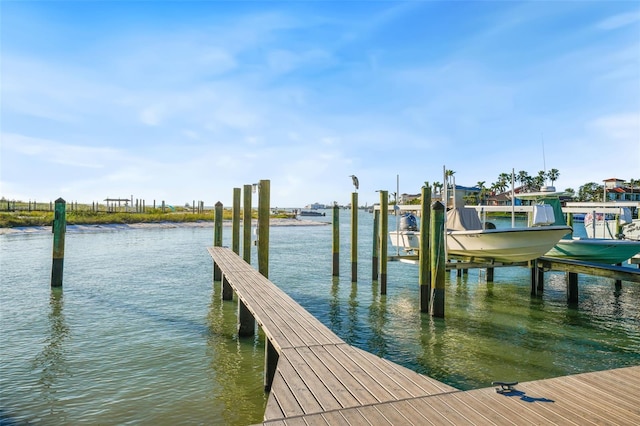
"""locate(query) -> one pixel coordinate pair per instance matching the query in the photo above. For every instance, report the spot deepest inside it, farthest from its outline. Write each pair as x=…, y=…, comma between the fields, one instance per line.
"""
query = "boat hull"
x=596, y=250
x=609, y=229
x=499, y=245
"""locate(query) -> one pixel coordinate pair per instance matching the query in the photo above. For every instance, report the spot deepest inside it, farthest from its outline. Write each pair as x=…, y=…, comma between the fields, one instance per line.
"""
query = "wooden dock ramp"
x=320, y=379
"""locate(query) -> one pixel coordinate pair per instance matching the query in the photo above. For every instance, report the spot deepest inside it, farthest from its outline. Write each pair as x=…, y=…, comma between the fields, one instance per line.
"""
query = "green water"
x=139, y=335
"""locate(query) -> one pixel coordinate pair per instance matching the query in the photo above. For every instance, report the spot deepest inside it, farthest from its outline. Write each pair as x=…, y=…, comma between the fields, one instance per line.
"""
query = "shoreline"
x=22, y=230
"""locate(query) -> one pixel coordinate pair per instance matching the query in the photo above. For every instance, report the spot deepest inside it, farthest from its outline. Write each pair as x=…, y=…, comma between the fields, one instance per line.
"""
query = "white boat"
x=596, y=250
x=467, y=238
x=619, y=226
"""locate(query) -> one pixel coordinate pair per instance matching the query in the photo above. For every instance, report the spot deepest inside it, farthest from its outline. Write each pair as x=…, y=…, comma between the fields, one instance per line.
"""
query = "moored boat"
x=467, y=238
x=596, y=250
x=310, y=213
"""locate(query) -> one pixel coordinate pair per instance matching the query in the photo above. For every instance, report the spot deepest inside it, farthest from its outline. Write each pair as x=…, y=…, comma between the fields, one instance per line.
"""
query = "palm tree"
x=553, y=175
x=448, y=175
x=539, y=180
x=522, y=176
x=503, y=182
x=483, y=191
x=437, y=187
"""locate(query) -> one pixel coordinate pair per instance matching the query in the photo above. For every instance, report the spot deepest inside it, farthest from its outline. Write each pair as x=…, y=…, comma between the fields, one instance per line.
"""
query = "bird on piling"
x=355, y=181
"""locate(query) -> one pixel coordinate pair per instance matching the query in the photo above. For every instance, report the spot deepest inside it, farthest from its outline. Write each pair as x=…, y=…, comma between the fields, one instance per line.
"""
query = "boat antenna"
x=544, y=161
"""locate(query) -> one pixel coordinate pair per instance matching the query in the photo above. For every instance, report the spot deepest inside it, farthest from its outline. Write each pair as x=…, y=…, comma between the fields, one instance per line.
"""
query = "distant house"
x=465, y=193
x=315, y=206
x=617, y=190
x=408, y=198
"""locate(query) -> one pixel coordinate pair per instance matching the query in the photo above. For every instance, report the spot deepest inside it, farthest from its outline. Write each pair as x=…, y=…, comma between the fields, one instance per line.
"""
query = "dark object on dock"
x=505, y=387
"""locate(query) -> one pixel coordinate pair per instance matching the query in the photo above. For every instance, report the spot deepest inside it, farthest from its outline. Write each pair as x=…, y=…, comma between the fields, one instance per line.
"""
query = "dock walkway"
x=320, y=379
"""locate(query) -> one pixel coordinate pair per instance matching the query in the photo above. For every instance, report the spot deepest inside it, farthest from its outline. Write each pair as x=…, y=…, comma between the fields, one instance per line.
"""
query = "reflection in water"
x=235, y=365
x=51, y=362
x=335, y=319
x=377, y=342
x=352, y=333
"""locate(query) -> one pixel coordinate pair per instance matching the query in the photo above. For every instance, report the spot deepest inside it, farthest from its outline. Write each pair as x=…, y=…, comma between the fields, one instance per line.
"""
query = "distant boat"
x=310, y=213
x=596, y=250
x=467, y=239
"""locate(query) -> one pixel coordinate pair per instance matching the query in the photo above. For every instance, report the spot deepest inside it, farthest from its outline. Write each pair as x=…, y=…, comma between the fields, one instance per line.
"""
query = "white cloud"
x=623, y=128
x=49, y=151
x=619, y=21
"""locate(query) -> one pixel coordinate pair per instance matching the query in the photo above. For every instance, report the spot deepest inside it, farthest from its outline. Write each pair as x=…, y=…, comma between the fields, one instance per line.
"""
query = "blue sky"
x=183, y=101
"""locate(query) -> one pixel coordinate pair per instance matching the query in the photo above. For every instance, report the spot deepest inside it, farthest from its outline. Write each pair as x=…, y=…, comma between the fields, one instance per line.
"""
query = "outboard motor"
x=408, y=222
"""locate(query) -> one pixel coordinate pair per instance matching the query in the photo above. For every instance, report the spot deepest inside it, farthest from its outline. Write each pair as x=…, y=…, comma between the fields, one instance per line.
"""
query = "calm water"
x=139, y=335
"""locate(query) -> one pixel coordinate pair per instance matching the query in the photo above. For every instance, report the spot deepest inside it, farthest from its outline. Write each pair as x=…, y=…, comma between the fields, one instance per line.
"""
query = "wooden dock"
x=317, y=378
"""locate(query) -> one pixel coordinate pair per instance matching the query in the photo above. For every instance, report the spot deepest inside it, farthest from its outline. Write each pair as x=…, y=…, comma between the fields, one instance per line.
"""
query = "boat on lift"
x=468, y=239
x=596, y=250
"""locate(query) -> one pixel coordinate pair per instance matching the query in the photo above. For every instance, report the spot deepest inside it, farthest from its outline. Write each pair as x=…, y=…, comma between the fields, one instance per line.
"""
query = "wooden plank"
x=434, y=407
x=292, y=394
x=400, y=381
x=607, y=271
x=411, y=412
x=343, y=372
x=597, y=411
x=322, y=394
x=393, y=415
x=495, y=409
x=348, y=417
x=273, y=410
x=282, y=310
x=321, y=373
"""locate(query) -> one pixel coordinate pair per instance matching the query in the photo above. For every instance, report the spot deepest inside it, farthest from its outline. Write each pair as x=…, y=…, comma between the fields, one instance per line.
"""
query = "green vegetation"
x=86, y=217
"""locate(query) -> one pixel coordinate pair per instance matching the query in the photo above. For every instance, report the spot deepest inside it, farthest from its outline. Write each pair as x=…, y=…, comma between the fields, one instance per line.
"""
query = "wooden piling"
x=59, y=230
x=572, y=287
x=217, y=237
x=354, y=237
x=424, y=273
x=537, y=278
x=438, y=259
x=264, y=191
x=246, y=224
x=235, y=221
x=375, y=266
x=336, y=241
x=246, y=321
x=270, y=364
x=383, y=235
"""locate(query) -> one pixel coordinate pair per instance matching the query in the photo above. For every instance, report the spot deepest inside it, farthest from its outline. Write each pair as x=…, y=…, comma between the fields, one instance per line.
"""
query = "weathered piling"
x=438, y=259
x=424, y=273
x=217, y=225
x=59, y=230
x=336, y=241
x=537, y=278
x=354, y=237
x=383, y=235
x=490, y=274
x=264, y=191
x=235, y=221
x=227, y=291
x=375, y=267
x=572, y=287
x=246, y=224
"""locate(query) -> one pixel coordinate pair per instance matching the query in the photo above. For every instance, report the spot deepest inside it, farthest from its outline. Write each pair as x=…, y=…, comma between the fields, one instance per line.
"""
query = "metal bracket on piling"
x=505, y=387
